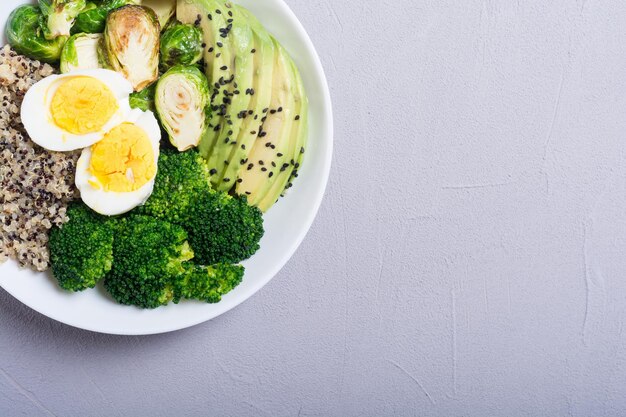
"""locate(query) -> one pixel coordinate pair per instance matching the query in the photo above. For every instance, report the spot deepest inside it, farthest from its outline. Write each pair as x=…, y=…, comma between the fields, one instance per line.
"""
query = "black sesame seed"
x=240, y=180
x=301, y=150
x=230, y=13
x=219, y=54
x=243, y=146
x=250, y=166
x=271, y=174
x=226, y=179
x=213, y=171
x=279, y=154
x=218, y=11
x=274, y=164
x=279, y=109
x=211, y=49
x=265, y=110
x=209, y=16
x=224, y=68
x=203, y=45
x=253, y=50
x=272, y=111
x=253, y=132
x=261, y=163
x=263, y=169
x=298, y=117
x=220, y=44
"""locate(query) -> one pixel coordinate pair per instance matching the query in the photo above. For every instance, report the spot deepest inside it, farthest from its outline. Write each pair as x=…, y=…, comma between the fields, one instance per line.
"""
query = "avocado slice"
x=274, y=148
x=288, y=170
x=243, y=132
x=238, y=94
x=211, y=16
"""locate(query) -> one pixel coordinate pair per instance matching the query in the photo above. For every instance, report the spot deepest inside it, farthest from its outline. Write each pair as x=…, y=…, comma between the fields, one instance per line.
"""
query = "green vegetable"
x=149, y=256
x=93, y=18
x=151, y=267
x=25, y=35
x=59, y=16
x=164, y=9
x=143, y=99
x=181, y=45
x=81, y=251
x=208, y=283
x=81, y=52
x=267, y=122
x=182, y=102
x=132, y=44
x=180, y=177
x=221, y=228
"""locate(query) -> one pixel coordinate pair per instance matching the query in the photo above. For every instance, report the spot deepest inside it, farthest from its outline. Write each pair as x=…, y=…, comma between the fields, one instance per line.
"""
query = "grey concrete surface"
x=468, y=260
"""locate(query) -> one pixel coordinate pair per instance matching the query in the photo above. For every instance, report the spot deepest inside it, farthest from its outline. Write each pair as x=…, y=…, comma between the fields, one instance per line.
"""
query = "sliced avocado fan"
x=258, y=130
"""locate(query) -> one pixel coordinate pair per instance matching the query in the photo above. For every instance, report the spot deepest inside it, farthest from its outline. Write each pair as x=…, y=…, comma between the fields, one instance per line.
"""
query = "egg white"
x=112, y=203
x=42, y=129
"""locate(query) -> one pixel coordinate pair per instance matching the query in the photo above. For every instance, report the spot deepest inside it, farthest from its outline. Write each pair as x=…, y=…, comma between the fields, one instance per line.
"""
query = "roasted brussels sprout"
x=164, y=9
x=182, y=101
x=25, y=35
x=81, y=52
x=59, y=16
x=131, y=37
x=93, y=18
x=181, y=45
x=143, y=99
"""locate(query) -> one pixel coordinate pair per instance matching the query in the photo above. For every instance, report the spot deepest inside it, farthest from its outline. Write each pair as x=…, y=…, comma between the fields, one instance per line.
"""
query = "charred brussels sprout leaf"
x=94, y=16
x=181, y=45
x=81, y=52
x=59, y=16
x=182, y=102
x=143, y=99
x=26, y=37
x=132, y=44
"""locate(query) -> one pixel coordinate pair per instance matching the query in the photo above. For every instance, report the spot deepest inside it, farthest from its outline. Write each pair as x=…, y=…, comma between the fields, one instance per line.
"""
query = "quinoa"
x=36, y=184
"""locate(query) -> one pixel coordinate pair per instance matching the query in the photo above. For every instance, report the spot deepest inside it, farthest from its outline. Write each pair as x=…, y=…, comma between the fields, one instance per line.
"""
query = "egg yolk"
x=82, y=105
x=123, y=160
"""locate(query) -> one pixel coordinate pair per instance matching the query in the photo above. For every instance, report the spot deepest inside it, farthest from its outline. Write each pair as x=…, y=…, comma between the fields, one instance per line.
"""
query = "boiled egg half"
x=73, y=111
x=117, y=173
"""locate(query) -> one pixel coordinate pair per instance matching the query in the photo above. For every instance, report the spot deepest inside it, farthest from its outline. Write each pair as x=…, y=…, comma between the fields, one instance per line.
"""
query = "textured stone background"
x=468, y=260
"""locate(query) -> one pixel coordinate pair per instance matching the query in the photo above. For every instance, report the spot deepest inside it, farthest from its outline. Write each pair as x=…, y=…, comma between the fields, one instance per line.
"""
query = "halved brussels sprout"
x=59, y=16
x=181, y=45
x=143, y=99
x=132, y=44
x=25, y=35
x=182, y=101
x=164, y=9
x=81, y=52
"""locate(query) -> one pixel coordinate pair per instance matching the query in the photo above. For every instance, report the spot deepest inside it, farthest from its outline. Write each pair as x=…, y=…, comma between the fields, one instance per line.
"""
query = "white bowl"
x=286, y=224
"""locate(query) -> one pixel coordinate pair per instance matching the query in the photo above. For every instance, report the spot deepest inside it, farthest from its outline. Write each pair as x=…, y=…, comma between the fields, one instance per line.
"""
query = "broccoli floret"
x=208, y=283
x=180, y=176
x=149, y=255
x=222, y=228
x=151, y=267
x=81, y=251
